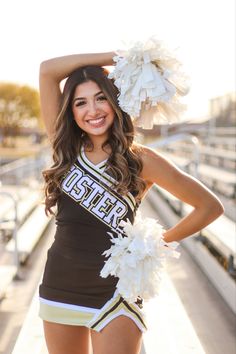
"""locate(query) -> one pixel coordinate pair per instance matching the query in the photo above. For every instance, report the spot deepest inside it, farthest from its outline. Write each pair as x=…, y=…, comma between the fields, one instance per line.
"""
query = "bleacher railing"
x=22, y=170
x=181, y=137
x=14, y=233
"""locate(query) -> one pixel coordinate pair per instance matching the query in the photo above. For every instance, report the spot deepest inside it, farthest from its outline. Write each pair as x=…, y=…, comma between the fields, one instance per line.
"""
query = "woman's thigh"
x=64, y=339
x=120, y=336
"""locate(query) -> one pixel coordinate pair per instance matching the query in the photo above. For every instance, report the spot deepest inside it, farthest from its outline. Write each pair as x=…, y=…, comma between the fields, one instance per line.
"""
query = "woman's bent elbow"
x=43, y=67
x=217, y=208
x=46, y=67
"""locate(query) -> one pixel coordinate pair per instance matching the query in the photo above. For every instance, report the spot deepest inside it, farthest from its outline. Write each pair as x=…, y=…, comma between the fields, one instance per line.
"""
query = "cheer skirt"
x=73, y=293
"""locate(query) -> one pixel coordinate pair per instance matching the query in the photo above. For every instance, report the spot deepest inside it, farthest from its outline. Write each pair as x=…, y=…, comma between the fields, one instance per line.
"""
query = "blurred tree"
x=19, y=107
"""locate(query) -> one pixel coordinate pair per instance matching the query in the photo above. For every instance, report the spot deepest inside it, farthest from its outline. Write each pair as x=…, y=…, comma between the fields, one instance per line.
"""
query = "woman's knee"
x=64, y=339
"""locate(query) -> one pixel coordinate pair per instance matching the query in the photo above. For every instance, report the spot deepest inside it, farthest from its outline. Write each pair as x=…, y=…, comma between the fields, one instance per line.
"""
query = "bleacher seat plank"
x=178, y=160
x=217, y=174
x=7, y=273
x=222, y=280
x=29, y=233
x=221, y=180
x=222, y=231
x=205, y=150
x=210, y=171
x=221, y=140
x=218, y=152
x=5, y=205
x=25, y=204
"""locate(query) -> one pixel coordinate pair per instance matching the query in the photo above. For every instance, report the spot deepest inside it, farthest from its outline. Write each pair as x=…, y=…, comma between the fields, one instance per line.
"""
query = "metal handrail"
x=196, y=152
x=15, y=220
x=181, y=137
x=24, y=168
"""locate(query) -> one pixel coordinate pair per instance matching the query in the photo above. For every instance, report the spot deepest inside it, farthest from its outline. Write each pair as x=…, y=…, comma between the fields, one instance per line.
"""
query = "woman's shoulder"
x=154, y=162
x=147, y=154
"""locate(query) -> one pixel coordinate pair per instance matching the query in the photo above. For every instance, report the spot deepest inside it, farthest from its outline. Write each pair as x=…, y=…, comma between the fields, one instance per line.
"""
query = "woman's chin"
x=102, y=130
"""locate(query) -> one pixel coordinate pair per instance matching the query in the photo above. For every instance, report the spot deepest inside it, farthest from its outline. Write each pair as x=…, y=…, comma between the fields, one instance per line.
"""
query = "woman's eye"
x=80, y=103
x=102, y=98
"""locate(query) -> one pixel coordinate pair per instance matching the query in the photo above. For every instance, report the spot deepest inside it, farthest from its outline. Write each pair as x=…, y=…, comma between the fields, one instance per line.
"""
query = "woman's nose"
x=92, y=109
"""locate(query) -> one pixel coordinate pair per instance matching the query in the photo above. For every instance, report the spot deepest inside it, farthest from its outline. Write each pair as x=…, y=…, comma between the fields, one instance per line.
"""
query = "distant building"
x=223, y=110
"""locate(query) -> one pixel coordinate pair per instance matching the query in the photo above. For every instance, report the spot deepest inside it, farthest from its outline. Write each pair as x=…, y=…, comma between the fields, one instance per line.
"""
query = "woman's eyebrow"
x=84, y=98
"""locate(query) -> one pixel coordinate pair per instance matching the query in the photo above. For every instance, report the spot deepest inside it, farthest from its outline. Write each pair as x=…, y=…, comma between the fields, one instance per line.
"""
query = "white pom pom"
x=138, y=259
x=150, y=82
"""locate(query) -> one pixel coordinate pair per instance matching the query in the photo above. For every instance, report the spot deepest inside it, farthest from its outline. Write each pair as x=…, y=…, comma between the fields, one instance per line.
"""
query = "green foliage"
x=19, y=107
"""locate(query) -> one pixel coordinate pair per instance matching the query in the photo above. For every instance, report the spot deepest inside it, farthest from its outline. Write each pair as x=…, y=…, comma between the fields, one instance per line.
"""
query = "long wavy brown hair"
x=124, y=162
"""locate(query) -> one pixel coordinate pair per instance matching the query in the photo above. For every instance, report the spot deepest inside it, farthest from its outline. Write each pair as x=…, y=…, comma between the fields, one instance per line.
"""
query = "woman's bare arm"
x=52, y=72
x=207, y=207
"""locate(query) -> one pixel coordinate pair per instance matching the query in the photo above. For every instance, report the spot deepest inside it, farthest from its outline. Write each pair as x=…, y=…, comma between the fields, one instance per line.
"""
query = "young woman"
x=99, y=177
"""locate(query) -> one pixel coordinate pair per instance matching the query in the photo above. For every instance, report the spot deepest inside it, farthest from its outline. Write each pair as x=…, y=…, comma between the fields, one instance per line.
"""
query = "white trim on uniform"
x=105, y=178
x=69, y=306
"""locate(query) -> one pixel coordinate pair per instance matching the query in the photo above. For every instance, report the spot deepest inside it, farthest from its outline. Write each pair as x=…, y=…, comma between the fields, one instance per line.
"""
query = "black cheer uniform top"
x=87, y=211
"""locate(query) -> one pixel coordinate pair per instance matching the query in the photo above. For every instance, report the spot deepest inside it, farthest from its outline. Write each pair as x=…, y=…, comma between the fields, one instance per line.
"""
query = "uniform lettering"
x=94, y=197
x=116, y=212
x=104, y=202
x=96, y=189
x=80, y=189
x=71, y=180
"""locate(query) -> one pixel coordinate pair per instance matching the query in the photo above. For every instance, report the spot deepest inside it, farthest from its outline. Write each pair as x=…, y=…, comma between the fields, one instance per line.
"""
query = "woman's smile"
x=97, y=122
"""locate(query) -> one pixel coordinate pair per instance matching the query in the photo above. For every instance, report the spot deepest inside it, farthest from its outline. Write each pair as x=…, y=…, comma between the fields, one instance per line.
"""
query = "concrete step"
x=30, y=339
x=170, y=329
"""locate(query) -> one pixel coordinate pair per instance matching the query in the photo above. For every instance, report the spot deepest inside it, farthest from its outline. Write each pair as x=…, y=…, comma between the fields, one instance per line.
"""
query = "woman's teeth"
x=96, y=122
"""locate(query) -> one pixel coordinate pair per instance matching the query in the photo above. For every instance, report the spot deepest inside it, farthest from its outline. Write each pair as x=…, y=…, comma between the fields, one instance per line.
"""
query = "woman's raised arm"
x=52, y=72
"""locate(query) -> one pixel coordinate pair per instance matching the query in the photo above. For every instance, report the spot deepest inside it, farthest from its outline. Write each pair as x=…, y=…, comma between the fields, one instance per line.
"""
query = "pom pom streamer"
x=138, y=258
x=150, y=82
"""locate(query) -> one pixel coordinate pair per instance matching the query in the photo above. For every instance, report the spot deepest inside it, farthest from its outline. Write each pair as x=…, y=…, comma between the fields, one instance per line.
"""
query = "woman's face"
x=92, y=111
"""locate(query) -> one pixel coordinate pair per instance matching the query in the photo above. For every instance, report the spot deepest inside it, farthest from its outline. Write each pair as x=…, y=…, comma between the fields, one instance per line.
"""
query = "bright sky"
x=204, y=30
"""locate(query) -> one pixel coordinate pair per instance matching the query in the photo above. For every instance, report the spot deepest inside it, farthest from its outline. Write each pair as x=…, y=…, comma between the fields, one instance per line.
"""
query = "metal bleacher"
x=22, y=219
x=214, y=247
